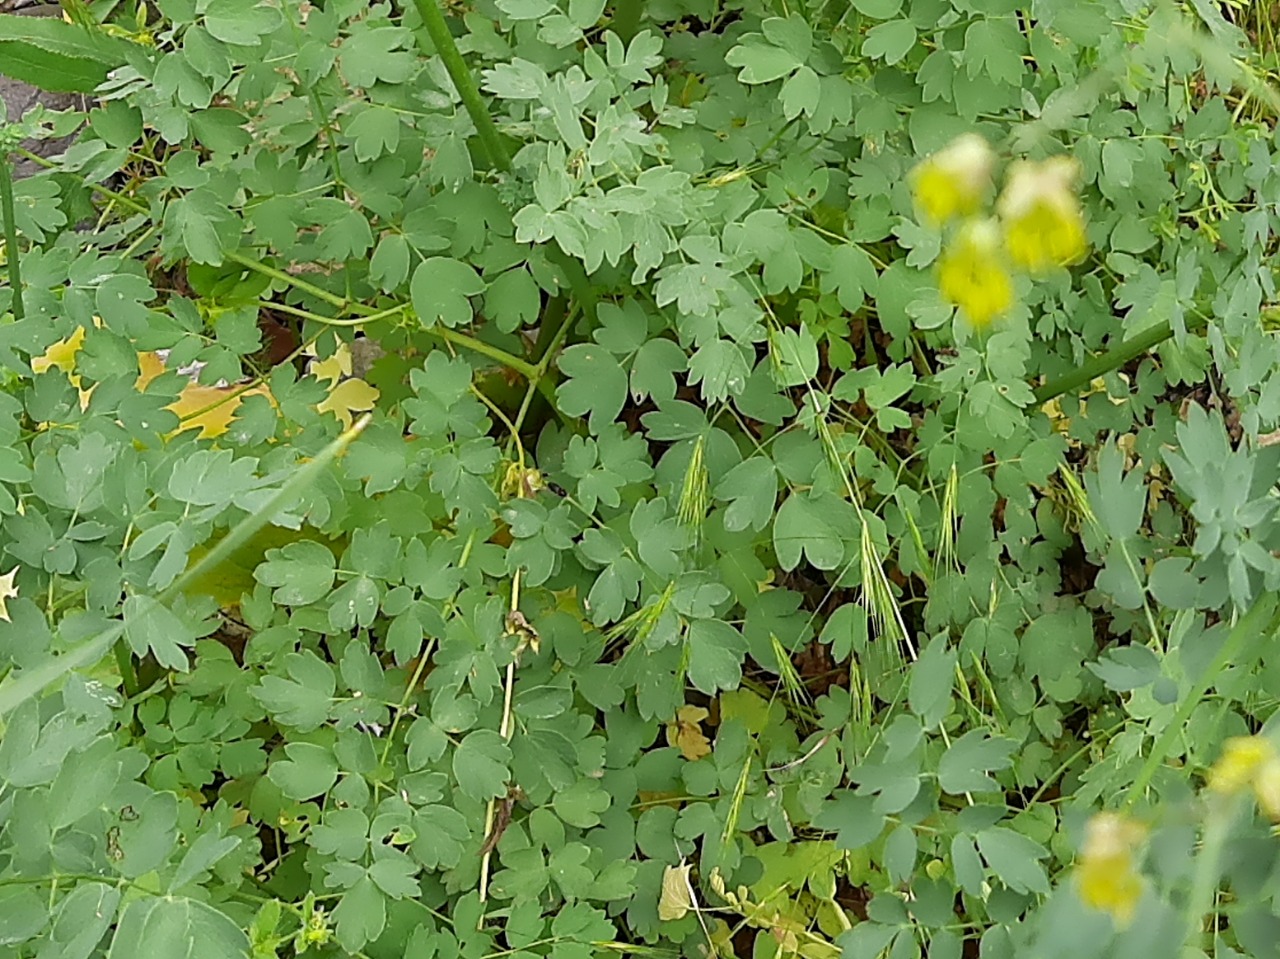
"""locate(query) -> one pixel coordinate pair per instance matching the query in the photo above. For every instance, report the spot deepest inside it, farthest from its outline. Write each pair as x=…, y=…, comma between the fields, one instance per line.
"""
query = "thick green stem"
x=463, y=82
x=10, y=235
x=1113, y=359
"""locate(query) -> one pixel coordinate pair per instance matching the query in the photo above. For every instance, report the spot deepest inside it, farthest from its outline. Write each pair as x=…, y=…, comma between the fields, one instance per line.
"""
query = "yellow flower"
x=1249, y=762
x=1043, y=225
x=1241, y=760
x=971, y=274
x=1266, y=788
x=1107, y=877
x=955, y=180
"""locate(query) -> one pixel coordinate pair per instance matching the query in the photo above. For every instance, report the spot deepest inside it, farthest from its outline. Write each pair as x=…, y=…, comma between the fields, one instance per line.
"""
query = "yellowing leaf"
x=349, y=396
x=210, y=409
x=686, y=733
x=61, y=354
x=676, y=898
x=149, y=366
x=8, y=591
x=335, y=367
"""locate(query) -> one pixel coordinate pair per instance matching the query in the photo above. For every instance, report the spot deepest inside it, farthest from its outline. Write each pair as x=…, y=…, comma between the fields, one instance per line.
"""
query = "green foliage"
x=57, y=56
x=693, y=551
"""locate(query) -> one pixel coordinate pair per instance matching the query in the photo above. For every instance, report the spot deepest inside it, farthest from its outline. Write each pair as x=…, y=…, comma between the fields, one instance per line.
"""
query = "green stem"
x=397, y=310
x=10, y=235
x=128, y=675
x=1113, y=359
x=463, y=82
x=1252, y=632
x=549, y=323
x=249, y=263
x=1208, y=874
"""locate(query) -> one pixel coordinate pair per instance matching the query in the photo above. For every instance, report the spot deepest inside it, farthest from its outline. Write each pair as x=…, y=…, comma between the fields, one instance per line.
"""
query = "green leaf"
x=596, y=385
x=853, y=818
x=878, y=9
x=151, y=627
x=241, y=22
x=299, y=573
x=932, y=678
x=716, y=651
x=82, y=919
x=372, y=55
x=389, y=266
x=376, y=131
x=513, y=300
x=440, y=290
x=303, y=700
x=994, y=48
x=309, y=771
x=890, y=42
x=1015, y=859
x=177, y=927
x=795, y=356
x=22, y=915
x=761, y=61
x=802, y=526
x=480, y=765
x=751, y=490
x=964, y=766
x=393, y=873
x=360, y=916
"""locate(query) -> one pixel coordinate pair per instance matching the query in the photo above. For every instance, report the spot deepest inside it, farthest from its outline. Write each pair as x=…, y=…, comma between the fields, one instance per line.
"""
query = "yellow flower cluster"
x=1249, y=762
x=1107, y=876
x=1038, y=223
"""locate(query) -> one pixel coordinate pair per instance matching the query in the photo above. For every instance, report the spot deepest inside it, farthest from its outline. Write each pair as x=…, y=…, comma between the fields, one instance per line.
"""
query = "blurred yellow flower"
x=1043, y=225
x=1242, y=757
x=1249, y=762
x=971, y=273
x=1107, y=877
x=955, y=180
x=1267, y=788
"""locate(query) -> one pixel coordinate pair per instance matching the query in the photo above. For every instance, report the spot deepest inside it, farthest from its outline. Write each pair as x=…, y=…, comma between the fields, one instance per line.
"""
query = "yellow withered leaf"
x=61, y=354
x=676, y=898
x=210, y=409
x=348, y=397
x=8, y=591
x=686, y=733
